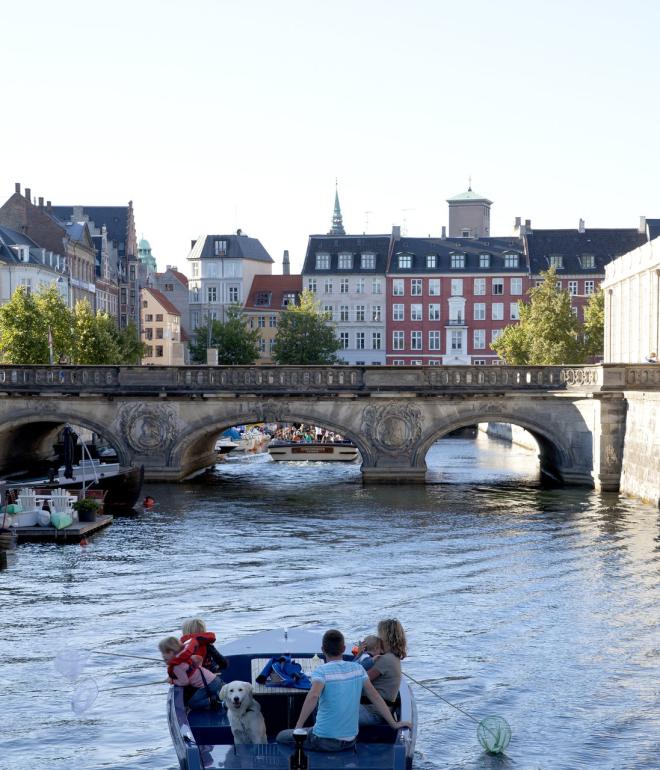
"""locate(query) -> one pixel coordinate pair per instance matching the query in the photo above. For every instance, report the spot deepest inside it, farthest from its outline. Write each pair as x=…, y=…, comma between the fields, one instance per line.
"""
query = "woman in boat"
x=385, y=674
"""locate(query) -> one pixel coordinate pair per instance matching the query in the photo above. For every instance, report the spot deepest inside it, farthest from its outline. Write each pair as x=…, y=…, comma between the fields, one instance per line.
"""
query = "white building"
x=222, y=268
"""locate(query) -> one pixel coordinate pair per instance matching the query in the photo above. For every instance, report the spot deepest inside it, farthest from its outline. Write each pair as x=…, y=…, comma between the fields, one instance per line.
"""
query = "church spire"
x=337, y=222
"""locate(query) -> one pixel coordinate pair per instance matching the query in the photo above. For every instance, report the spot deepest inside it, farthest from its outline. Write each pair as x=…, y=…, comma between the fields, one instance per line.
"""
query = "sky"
x=212, y=115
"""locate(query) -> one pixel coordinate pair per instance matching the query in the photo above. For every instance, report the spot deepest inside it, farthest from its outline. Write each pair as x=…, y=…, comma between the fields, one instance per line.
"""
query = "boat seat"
x=376, y=734
x=210, y=726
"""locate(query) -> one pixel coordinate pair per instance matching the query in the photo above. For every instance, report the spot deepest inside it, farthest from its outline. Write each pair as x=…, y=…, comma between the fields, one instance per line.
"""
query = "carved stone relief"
x=148, y=427
x=392, y=428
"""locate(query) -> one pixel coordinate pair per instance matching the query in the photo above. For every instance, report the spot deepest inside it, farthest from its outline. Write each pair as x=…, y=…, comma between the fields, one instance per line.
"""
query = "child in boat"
x=196, y=640
x=368, y=650
x=204, y=683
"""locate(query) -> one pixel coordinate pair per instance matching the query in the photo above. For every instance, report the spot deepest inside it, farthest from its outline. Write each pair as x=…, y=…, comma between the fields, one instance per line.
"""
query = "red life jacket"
x=193, y=644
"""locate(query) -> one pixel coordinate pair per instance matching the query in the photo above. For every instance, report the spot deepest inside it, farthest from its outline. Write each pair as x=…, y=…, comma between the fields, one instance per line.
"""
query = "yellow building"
x=269, y=296
x=160, y=322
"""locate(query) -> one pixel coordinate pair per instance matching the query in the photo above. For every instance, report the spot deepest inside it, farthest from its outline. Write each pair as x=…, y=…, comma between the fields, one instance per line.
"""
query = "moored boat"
x=203, y=739
x=290, y=451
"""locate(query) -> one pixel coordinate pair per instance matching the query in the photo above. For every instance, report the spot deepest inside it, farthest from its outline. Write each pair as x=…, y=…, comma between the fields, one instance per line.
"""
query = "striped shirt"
x=339, y=704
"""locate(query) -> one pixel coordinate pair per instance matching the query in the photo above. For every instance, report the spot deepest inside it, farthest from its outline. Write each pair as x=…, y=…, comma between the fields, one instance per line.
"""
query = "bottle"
x=316, y=661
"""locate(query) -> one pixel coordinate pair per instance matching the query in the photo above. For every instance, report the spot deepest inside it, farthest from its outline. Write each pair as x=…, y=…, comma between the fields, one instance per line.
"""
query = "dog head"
x=235, y=694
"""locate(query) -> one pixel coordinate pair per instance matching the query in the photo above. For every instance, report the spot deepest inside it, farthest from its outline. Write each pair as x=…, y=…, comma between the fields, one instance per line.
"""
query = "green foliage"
x=548, y=332
x=23, y=331
x=305, y=334
x=131, y=349
x=236, y=343
x=594, y=325
x=96, y=338
x=86, y=505
x=56, y=316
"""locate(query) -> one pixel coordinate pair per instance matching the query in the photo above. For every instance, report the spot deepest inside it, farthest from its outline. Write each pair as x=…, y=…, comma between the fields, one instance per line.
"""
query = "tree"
x=55, y=313
x=131, y=349
x=305, y=334
x=594, y=325
x=236, y=343
x=548, y=332
x=23, y=330
x=85, y=331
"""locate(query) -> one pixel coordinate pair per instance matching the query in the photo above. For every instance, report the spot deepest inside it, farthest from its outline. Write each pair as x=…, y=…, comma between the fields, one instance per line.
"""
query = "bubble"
x=494, y=734
x=70, y=662
x=84, y=696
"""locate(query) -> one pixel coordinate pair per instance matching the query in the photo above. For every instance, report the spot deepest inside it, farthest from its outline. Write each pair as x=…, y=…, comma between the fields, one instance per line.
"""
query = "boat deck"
x=71, y=534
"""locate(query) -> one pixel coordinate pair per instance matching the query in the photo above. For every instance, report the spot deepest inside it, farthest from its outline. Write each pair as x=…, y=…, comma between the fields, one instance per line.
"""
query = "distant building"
x=161, y=329
x=632, y=303
x=146, y=257
x=268, y=297
x=222, y=268
x=469, y=215
x=174, y=285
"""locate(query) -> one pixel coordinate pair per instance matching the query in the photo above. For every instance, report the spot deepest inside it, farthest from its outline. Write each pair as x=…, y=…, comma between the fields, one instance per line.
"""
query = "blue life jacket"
x=282, y=671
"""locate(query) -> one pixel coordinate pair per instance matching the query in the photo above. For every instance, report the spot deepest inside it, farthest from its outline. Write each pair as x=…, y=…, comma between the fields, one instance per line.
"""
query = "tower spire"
x=337, y=221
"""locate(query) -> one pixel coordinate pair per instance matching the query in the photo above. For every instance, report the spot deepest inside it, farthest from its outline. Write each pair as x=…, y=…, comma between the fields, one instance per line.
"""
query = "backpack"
x=283, y=671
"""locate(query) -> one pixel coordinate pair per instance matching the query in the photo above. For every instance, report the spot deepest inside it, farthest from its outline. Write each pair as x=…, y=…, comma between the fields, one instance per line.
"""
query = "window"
x=516, y=287
x=589, y=287
x=465, y=233
x=484, y=260
x=458, y=261
x=434, y=287
x=144, y=302
x=416, y=362
x=588, y=261
x=211, y=294
x=159, y=317
x=360, y=363
x=538, y=283
x=343, y=312
x=262, y=345
x=343, y=339
x=479, y=311
x=405, y=261
x=479, y=339
x=327, y=286
x=556, y=261
x=272, y=321
x=434, y=312
x=289, y=298
x=311, y=284
x=497, y=311
x=397, y=340
x=457, y=341
x=456, y=287
x=148, y=318
x=435, y=362
x=572, y=288
x=574, y=310
x=359, y=286
x=416, y=287
x=375, y=313
x=498, y=286
x=195, y=269
x=415, y=312
x=514, y=311
x=131, y=273
x=430, y=260
x=398, y=362
x=479, y=286
x=360, y=312
x=262, y=298
x=150, y=352
x=368, y=261
x=558, y=285
x=261, y=322
x=343, y=286
x=329, y=311
x=415, y=340
x=397, y=287
x=219, y=247
x=194, y=317
x=375, y=340
x=322, y=261
x=345, y=262
x=159, y=351
x=149, y=333
x=359, y=340
x=169, y=287
x=271, y=346
x=495, y=334
x=398, y=313
x=376, y=286
x=233, y=294
x=479, y=362
x=434, y=340
x=510, y=260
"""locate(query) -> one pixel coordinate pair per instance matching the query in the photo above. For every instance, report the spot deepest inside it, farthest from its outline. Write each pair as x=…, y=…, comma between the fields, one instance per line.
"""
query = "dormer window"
x=368, y=261
x=465, y=233
x=458, y=261
x=322, y=261
x=405, y=261
x=484, y=260
x=510, y=260
x=219, y=247
x=588, y=261
x=23, y=253
x=556, y=261
x=430, y=260
x=345, y=261
x=262, y=298
x=289, y=298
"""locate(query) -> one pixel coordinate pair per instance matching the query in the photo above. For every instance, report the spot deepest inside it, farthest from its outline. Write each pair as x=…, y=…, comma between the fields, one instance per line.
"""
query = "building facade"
x=268, y=297
x=160, y=330
x=174, y=285
x=222, y=268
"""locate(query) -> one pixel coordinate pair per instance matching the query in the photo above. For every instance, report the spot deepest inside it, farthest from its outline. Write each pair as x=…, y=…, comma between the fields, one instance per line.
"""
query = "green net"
x=494, y=734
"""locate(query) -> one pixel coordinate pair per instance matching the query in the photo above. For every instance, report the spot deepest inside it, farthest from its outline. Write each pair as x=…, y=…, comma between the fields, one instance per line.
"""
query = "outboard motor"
x=298, y=760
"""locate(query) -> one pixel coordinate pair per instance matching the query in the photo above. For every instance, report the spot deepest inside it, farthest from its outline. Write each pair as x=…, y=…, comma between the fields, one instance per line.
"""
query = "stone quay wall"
x=640, y=471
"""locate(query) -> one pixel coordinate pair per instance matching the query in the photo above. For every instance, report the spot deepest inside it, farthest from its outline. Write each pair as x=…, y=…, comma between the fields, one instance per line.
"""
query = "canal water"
x=539, y=605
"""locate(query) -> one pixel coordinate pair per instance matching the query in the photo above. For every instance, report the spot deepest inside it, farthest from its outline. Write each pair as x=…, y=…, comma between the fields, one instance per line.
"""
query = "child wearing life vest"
x=196, y=640
x=205, y=684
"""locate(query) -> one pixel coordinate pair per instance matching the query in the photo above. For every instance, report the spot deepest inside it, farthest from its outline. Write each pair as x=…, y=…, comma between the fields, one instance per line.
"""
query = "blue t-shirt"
x=339, y=704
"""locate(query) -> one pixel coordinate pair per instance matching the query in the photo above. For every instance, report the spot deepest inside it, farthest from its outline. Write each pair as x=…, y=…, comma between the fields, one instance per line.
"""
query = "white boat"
x=225, y=445
x=290, y=451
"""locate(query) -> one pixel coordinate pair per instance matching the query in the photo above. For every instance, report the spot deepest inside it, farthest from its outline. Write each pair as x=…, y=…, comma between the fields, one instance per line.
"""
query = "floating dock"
x=71, y=534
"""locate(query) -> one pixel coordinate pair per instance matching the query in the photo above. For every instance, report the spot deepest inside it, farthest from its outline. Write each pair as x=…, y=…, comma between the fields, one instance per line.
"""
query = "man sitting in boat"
x=337, y=686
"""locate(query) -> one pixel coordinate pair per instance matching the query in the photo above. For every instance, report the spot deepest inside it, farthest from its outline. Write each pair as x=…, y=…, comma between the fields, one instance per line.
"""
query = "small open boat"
x=315, y=451
x=203, y=739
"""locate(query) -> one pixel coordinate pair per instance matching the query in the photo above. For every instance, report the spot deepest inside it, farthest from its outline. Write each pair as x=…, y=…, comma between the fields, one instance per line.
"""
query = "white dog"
x=245, y=717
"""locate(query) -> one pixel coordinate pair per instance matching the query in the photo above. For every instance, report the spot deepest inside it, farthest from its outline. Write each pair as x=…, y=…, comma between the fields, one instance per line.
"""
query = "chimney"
x=444, y=232
x=396, y=231
x=642, y=225
x=28, y=194
x=581, y=226
x=49, y=205
x=517, y=224
x=41, y=203
x=286, y=266
x=528, y=226
x=17, y=187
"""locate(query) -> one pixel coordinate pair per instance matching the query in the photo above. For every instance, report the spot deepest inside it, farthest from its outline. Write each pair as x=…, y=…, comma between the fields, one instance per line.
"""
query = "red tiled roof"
x=163, y=301
x=178, y=275
x=276, y=286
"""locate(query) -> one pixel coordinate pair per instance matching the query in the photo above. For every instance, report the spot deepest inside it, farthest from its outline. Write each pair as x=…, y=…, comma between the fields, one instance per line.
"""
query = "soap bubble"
x=70, y=662
x=84, y=696
x=494, y=734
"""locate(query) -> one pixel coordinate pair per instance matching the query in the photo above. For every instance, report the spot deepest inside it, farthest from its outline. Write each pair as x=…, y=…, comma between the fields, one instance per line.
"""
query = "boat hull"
x=314, y=452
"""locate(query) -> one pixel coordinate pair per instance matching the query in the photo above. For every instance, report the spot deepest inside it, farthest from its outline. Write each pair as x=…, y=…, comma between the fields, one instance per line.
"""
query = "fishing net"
x=494, y=734
x=84, y=696
x=70, y=662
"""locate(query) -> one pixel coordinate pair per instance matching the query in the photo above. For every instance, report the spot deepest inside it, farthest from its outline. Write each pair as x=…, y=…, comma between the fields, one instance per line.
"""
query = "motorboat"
x=291, y=451
x=224, y=446
x=203, y=738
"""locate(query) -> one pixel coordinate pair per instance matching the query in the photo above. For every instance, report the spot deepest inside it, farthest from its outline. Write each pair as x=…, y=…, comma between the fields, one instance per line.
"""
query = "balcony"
x=456, y=322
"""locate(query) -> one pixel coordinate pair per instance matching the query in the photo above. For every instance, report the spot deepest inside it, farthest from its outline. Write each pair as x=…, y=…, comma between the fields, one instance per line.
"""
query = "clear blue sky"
x=212, y=115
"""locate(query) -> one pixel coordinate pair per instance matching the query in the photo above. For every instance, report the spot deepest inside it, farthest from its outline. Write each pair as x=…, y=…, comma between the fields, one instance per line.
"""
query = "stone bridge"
x=168, y=418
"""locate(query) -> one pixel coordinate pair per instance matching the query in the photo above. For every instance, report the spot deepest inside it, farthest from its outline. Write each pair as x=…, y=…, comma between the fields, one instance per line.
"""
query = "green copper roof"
x=144, y=244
